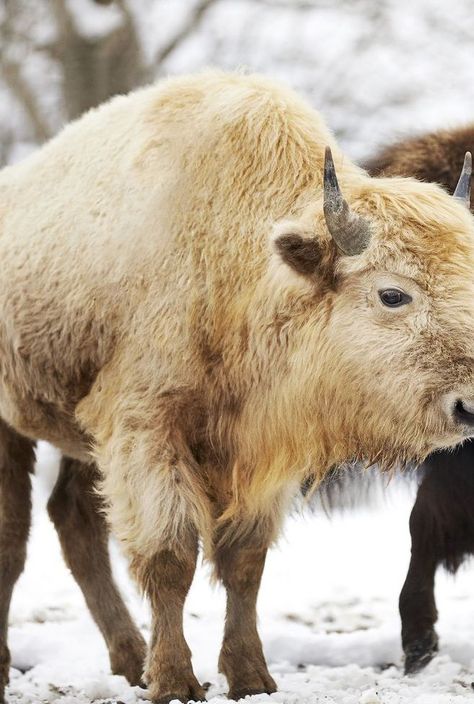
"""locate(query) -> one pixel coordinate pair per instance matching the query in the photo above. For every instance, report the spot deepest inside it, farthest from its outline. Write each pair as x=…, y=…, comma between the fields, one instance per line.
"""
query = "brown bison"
x=442, y=520
x=189, y=301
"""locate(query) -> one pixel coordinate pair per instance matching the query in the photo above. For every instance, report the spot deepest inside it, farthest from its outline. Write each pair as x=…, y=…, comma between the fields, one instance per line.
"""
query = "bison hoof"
x=190, y=691
x=418, y=653
x=128, y=658
x=246, y=673
x=184, y=698
x=4, y=671
x=261, y=683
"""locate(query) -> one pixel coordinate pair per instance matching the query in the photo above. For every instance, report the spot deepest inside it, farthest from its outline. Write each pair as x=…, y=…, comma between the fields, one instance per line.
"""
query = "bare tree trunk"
x=95, y=69
x=91, y=69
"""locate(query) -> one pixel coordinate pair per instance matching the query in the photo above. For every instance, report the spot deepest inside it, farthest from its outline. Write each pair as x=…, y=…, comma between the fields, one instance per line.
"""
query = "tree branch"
x=63, y=19
x=21, y=90
x=14, y=80
x=192, y=22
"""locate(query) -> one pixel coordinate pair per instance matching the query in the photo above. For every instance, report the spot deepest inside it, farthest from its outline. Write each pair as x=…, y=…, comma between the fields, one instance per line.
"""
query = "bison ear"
x=302, y=254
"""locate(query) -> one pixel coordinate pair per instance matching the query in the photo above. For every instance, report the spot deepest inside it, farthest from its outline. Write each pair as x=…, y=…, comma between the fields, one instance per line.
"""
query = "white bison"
x=188, y=301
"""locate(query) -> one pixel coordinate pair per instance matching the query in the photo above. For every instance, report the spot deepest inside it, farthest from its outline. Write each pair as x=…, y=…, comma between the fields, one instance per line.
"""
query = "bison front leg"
x=166, y=578
x=157, y=508
x=418, y=614
x=442, y=532
x=417, y=600
x=240, y=567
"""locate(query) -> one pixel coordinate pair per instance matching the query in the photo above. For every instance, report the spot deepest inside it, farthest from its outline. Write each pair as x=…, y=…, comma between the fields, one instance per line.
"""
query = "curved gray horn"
x=463, y=189
x=351, y=232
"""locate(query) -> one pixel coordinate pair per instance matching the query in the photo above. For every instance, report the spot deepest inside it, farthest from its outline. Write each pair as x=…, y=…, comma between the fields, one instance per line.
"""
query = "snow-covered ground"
x=328, y=617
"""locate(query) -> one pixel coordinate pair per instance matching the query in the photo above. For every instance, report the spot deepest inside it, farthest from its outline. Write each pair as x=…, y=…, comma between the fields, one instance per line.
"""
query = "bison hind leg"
x=16, y=463
x=76, y=511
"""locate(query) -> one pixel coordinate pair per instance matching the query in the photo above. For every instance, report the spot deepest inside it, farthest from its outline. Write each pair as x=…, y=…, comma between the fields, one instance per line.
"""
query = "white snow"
x=328, y=617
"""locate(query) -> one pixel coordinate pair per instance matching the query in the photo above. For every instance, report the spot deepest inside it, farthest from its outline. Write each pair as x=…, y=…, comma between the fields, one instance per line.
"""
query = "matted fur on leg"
x=152, y=485
x=158, y=508
x=239, y=560
x=166, y=578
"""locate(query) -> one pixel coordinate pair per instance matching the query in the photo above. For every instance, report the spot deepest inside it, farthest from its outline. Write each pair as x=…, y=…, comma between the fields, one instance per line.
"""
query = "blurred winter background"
x=377, y=69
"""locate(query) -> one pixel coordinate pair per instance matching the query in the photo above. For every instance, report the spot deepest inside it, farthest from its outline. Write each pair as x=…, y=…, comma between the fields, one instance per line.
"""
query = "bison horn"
x=463, y=189
x=351, y=232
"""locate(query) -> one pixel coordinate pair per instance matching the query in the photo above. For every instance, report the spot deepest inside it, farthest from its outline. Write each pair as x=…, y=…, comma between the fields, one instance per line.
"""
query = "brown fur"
x=201, y=362
x=77, y=513
x=166, y=579
x=16, y=463
x=436, y=157
x=240, y=567
x=442, y=533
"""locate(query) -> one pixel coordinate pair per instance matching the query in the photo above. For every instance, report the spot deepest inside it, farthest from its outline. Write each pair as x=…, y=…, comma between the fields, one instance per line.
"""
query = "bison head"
x=382, y=355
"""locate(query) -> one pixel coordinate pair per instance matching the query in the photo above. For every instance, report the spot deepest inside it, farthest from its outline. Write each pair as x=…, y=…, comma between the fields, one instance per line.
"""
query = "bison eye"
x=393, y=297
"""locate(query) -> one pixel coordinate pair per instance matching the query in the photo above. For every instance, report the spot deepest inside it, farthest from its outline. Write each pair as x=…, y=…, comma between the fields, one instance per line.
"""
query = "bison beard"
x=206, y=352
x=442, y=520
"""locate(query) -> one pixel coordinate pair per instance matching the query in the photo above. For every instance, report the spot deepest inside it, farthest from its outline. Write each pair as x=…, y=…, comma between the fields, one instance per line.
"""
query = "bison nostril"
x=464, y=412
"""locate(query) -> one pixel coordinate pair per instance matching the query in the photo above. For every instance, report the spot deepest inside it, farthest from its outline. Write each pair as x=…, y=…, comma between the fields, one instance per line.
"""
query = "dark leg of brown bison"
x=418, y=608
x=166, y=578
x=76, y=513
x=240, y=567
x=442, y=531
x=16, y=462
